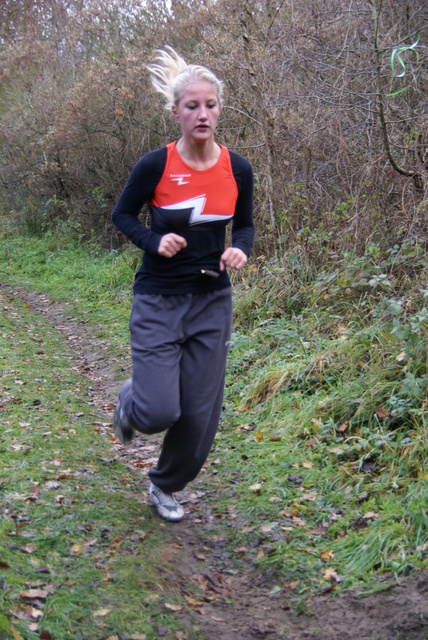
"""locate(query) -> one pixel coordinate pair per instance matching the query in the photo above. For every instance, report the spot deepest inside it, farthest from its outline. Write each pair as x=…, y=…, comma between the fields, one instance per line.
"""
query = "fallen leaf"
x=90, y=543
x=320, y=530
x=382, y=412
x=331, y=574
x=34, y=493
x=23, y=614
x=151, y=597
x=308, y=465
x=370, y=515
x=327, y=555
x=241, y=551
x=52, y=484
x=76, y=549
x=202, y=582
x=266, y=528
x=167, y=555
x=292, y=585
x=36, y=613
x=115, y=544
x=65, y=474
x=173, y=607
x=311, y=551
x=309, y=496
x=34, y=594
x=101, y=613
x=142, y=535
x=193, y=602
x=299, y=522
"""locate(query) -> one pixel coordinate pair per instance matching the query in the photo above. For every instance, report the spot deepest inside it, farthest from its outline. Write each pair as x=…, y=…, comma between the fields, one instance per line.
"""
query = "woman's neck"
x=199, y=156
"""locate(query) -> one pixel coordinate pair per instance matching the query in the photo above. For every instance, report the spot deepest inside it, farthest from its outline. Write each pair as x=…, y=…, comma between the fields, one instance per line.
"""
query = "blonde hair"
x=171, y=76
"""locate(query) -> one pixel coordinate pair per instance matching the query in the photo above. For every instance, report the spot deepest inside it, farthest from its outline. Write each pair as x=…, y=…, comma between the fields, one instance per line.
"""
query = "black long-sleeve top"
x=196, y=205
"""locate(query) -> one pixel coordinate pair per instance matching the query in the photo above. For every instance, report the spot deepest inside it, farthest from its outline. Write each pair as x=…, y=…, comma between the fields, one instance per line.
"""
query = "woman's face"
x=197, y=111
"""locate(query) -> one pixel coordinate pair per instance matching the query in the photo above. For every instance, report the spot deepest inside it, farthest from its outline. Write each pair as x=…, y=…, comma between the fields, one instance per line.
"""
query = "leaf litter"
x=224, y=596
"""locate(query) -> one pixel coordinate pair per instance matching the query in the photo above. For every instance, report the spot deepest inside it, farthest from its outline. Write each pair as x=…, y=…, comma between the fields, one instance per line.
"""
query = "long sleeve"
x=243, y=225
x=137, y=191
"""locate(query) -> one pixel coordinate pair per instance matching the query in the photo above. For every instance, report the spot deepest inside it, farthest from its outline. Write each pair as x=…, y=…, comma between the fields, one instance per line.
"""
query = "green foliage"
x=75, y=533
x=320, y=461
x=332, y=394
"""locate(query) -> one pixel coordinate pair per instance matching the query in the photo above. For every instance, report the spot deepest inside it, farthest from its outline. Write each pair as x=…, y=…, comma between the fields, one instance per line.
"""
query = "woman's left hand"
x=234, y=258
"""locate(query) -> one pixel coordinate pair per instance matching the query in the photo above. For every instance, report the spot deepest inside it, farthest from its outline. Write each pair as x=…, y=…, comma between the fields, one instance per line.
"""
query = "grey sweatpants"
x=179, y=350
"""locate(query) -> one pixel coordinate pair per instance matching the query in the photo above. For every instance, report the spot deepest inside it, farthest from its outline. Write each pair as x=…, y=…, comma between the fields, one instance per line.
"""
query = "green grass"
x=321, y=472
x=73, y=524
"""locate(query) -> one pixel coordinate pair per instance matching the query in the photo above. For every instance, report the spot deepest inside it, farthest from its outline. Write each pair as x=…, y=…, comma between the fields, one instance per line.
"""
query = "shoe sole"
x=123, y=435
x=167, y=515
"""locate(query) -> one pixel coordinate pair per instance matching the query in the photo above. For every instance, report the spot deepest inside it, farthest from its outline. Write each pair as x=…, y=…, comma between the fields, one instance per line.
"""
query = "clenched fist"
x=171, y=244
x=234, y=258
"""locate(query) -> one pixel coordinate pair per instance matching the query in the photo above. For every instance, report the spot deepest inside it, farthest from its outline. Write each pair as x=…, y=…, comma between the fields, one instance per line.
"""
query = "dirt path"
x=240, y=602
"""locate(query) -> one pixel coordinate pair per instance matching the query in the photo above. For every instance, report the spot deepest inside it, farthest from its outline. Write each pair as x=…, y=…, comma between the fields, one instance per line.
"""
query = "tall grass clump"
x=327, y=400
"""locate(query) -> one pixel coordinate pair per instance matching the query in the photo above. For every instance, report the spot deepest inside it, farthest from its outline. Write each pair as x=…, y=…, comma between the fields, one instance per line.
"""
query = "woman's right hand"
x=171, y=244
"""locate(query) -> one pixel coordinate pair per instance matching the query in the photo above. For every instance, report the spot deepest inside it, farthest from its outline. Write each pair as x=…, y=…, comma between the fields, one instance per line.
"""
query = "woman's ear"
x=175, y=112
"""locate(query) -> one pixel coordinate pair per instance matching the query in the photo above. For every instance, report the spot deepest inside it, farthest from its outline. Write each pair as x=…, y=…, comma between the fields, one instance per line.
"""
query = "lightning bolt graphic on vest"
x=197, y=206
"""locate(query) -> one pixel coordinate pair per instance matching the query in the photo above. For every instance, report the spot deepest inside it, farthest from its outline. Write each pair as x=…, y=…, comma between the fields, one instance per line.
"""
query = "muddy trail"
x=241, y=601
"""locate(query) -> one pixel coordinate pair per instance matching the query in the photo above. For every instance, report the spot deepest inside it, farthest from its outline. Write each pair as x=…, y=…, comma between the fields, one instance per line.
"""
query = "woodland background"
x=322, y=449
x=337, y=135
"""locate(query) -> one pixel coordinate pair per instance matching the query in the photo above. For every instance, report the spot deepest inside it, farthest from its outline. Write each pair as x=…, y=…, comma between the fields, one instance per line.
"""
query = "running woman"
x=181, y=318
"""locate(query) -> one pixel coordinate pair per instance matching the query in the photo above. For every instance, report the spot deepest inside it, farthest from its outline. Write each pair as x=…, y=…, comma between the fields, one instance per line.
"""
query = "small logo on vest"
x=180, y=178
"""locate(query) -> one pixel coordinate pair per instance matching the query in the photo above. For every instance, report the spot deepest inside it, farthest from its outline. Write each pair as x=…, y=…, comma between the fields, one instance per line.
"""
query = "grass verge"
x=80, y=550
